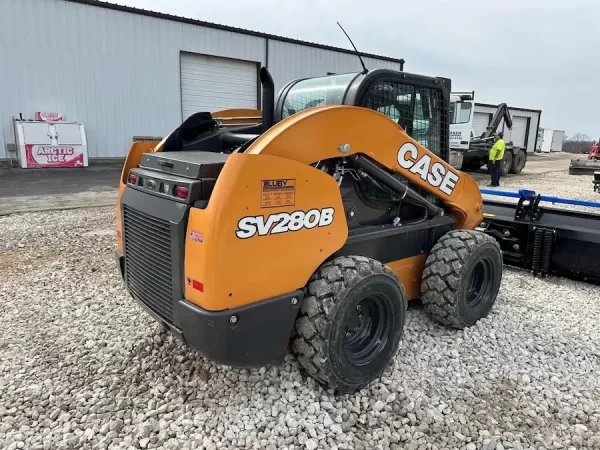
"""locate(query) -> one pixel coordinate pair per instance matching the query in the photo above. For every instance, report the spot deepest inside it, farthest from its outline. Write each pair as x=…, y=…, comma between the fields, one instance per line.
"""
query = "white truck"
x=474, y=125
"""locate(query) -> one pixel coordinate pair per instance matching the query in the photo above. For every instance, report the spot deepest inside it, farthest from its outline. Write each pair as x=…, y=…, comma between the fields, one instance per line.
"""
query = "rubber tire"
x=447, y=274
x=518, y=162
x=332, y=293
x=506, y=164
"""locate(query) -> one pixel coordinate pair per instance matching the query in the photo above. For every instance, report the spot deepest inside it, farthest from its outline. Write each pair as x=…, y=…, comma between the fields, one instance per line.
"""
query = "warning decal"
x=278, y=193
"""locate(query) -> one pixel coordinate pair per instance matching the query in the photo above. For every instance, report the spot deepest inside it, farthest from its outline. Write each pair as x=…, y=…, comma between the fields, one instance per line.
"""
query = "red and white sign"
x=38, y=156
x=46, y=116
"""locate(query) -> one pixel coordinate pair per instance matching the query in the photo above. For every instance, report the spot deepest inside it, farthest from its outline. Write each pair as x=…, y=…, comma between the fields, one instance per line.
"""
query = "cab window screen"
x=422, y=112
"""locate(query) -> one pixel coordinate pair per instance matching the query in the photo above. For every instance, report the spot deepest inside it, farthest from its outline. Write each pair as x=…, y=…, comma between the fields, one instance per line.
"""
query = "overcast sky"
x=528, y=53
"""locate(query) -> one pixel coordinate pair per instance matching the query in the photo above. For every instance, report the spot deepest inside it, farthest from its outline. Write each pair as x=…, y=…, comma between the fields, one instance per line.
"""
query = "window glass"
x=460, y=112
x=314, y=92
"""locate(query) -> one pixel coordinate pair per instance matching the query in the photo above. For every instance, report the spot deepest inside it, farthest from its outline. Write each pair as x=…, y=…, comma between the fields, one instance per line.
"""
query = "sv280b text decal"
x=283, y=222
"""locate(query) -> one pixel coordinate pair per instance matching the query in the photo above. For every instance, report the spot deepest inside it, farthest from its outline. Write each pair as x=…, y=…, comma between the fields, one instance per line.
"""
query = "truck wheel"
x=351, y=322
x=518, y=162
x=462, y=278
x=506, y=163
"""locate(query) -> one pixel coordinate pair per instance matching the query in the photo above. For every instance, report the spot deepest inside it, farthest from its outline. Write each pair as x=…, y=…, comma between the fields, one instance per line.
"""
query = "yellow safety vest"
x=497, y=150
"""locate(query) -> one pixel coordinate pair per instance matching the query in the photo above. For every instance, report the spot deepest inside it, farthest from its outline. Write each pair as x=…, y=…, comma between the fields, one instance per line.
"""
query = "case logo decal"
x=283, y=222
x=436, y=174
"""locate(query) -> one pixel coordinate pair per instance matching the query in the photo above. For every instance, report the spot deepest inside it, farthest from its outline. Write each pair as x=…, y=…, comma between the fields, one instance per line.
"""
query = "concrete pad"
x=27, y=190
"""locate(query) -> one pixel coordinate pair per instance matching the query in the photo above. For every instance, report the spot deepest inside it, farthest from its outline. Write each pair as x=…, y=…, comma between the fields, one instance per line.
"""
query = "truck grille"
x=148, y=265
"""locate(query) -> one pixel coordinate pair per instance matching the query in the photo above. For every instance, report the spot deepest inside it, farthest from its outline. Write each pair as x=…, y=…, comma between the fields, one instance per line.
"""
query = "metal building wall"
x=288, y=61
x=116, y=72
x=119, y=72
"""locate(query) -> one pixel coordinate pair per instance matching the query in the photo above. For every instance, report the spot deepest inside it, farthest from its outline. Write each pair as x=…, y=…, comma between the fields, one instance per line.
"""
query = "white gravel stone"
x=83, y=367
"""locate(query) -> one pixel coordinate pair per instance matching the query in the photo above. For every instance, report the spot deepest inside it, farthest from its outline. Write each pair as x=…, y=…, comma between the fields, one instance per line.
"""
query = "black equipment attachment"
x=545, y=240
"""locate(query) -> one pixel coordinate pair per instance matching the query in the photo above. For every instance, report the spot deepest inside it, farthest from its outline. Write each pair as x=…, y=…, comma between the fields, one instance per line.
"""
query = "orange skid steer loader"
x=313, y=222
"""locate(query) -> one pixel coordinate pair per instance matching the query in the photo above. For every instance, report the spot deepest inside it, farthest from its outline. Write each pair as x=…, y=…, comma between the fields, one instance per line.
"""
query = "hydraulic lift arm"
x=501, y=113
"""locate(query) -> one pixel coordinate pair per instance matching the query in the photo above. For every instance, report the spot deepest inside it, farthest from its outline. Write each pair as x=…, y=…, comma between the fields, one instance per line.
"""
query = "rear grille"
x=148, y=264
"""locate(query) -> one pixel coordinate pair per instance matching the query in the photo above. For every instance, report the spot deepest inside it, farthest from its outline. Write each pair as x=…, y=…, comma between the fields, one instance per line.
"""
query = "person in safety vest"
x=496, y=156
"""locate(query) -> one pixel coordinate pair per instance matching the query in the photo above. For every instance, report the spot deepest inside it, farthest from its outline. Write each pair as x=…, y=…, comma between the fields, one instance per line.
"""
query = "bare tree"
x=579, y=137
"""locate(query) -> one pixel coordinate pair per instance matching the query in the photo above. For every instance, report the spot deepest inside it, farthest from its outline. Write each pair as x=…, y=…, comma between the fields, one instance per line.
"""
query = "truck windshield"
x=460, y=112
x=314, y=92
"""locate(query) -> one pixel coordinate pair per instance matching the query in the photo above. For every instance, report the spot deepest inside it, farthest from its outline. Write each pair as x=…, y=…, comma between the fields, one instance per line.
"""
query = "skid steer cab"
x=312, y=222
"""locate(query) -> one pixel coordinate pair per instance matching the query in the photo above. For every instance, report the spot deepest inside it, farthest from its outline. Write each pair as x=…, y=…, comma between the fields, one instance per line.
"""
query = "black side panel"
x=154, y=235
x=250, y=336
x=389, y=243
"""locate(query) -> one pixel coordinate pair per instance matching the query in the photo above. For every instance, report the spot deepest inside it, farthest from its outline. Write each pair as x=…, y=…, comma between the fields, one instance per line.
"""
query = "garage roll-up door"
x=480, y=123
x=519, y=131
x=210, y=83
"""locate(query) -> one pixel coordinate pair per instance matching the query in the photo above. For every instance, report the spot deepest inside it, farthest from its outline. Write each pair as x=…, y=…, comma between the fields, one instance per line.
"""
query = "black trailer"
x=545, y=240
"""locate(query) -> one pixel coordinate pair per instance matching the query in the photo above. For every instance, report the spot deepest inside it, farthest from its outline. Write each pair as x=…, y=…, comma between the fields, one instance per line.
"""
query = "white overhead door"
x=519, y=131
x=480, y=123
x=210, y=83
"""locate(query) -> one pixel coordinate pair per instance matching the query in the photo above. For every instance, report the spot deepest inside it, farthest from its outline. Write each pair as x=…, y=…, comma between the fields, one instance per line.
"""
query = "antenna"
x=357, y=54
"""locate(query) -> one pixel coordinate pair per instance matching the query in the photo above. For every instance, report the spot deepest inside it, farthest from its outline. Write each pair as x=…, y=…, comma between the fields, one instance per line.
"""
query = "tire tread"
x=324, y=294
x=441, y=277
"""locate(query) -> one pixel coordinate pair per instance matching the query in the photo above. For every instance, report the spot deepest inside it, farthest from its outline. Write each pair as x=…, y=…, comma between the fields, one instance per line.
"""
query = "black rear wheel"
x=366, y=330
x=506, y=164
x=518, y=162
x=462, y=278
x=351, y=322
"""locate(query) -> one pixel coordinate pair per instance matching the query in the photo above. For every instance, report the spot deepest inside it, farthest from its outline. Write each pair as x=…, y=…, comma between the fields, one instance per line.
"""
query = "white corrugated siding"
x=519, y=130
x=119, y=73
x=209, y=83
x=116, y=72
x=288, y=61
x=480, y=122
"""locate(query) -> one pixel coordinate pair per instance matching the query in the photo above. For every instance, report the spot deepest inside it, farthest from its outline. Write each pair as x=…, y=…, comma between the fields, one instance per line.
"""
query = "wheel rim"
x=480, y=282
x=366, y=330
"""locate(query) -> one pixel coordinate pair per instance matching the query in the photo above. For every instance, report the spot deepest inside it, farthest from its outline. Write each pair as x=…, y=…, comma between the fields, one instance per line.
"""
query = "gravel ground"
x=81, y=366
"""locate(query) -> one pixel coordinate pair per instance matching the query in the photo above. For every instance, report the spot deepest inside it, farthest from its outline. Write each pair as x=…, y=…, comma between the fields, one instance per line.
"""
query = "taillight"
x=182, y=192
x=132, y=179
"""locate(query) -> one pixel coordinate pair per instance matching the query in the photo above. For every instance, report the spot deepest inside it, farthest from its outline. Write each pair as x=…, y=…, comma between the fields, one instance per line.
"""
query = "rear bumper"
x=250, y=336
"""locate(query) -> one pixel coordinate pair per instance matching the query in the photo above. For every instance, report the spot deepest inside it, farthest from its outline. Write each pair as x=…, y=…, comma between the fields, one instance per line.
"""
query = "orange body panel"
x=235, y=264
x=410, y=272
x=133, y=158
x=238, y=116
x=318, y=133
